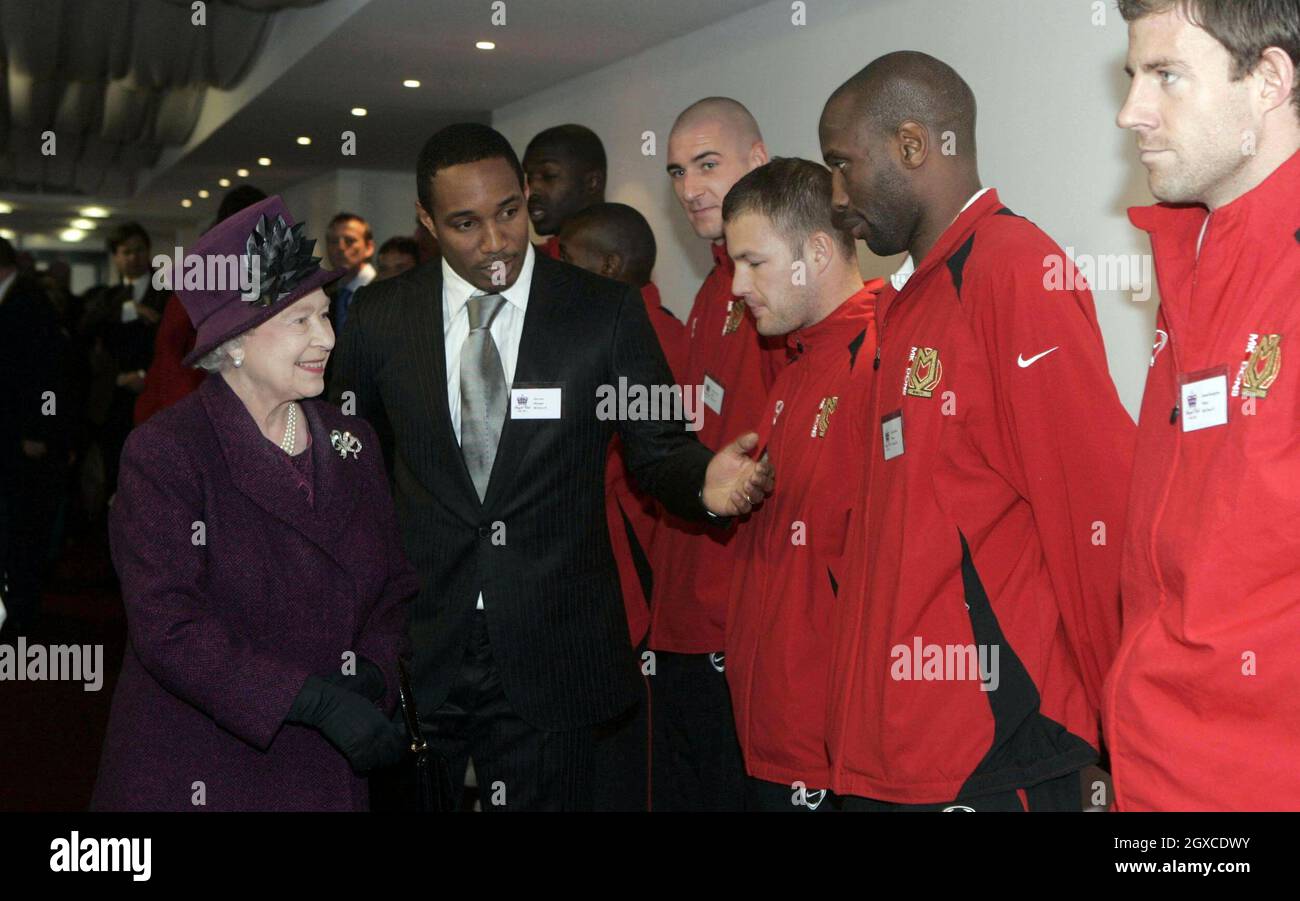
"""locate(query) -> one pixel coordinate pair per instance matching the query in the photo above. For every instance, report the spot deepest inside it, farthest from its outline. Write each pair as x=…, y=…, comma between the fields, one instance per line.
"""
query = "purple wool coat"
x=236, y=589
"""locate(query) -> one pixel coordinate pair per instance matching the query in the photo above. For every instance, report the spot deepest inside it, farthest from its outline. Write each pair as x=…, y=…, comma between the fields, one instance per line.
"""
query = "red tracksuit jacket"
x=692, y=562
x=1203, y=704
x=623, y=498
x=787, y=554
x=994, y=528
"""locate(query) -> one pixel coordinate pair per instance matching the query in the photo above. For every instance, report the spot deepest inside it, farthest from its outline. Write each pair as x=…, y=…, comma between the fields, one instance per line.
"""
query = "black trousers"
x=621, y=773
x=29, y=499
x=696, y=760
x=1063, y=793
x=518, y=766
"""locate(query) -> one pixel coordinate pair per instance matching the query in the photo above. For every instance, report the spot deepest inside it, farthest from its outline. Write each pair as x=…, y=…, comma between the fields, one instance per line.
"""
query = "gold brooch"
x=345, y=443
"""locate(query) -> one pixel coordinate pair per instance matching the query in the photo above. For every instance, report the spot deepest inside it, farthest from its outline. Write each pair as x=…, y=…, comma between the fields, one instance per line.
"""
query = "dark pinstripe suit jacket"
x=537, y=546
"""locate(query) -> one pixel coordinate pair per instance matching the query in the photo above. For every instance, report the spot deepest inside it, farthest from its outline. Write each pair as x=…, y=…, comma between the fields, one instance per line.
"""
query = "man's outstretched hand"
x=734, y=483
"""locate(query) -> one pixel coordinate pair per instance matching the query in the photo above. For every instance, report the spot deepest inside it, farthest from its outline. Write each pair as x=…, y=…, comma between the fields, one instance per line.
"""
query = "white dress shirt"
x=365, y=275
x=506, y=328
x=900, y=278
x=139, y=286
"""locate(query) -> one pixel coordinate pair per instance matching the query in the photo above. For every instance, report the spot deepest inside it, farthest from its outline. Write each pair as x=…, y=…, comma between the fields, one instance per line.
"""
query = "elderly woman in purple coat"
x=260, y=561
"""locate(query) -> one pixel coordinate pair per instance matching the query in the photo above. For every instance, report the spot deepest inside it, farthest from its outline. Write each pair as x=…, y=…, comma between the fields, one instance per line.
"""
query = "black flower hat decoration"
x=283, y=257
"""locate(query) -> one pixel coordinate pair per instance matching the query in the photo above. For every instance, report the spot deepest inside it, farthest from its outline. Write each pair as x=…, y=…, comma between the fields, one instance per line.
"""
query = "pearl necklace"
x=290, y=430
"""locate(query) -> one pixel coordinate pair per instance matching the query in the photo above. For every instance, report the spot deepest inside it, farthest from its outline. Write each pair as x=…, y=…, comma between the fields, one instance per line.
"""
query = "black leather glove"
x=349, y=722
x=368, y=681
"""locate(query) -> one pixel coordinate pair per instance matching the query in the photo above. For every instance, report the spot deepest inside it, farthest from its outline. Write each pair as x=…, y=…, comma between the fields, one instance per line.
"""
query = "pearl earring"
x=239, y=361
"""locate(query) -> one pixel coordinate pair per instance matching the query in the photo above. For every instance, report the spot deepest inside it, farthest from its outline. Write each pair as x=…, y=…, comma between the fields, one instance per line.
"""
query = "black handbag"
x=423, y=782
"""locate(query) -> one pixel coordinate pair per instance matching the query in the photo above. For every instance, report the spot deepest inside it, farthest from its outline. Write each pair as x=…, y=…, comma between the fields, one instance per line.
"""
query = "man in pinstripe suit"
x=519, y=637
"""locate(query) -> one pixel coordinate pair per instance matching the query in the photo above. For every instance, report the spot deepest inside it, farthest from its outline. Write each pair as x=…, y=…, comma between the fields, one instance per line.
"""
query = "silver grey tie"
x=483, y=395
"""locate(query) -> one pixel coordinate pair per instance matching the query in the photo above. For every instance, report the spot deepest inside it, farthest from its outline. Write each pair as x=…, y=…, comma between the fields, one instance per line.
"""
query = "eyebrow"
x=1162, y=63
x=695, y=159
x=513, y=198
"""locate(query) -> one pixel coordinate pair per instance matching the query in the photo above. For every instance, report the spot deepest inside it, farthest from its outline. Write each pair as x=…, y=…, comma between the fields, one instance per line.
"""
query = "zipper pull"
x=1173, y=417
x=875, y=365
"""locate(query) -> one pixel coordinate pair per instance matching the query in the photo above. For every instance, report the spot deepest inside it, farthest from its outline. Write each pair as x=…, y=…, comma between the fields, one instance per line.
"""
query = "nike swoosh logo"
x=1025, y=364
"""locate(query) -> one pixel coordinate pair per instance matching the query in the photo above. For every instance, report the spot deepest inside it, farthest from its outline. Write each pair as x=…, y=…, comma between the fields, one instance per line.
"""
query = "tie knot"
x=483, y=309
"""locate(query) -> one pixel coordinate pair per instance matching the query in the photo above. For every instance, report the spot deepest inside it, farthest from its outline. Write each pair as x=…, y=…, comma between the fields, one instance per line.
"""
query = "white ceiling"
x=313, y=65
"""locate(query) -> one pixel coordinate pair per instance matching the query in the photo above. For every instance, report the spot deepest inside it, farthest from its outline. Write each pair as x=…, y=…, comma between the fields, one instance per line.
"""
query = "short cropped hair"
x=1245, y=28
x=125, y=232
x=795, y=194
x=352, y=217
x=401, y=244
x=465, y=142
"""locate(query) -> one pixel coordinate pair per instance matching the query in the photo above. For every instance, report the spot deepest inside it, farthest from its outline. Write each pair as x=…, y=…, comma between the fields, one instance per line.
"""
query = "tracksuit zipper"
x=1126, y=650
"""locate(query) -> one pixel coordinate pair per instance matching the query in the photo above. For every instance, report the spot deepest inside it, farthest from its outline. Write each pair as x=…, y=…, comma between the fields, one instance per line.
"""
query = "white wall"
x=1049, y=83
x=385, y=199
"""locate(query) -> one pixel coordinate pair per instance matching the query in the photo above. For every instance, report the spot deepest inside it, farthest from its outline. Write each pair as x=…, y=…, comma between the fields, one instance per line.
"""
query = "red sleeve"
x=1065, y=441
x=167, y=380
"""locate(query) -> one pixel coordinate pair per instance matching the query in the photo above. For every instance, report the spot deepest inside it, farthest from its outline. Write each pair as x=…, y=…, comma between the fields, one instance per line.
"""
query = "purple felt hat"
x=274, y=259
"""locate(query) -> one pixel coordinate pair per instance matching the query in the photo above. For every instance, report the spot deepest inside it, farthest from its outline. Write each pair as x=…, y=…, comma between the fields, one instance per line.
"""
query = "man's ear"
x=758, y=155
x=1278, y=73
x=595, y=183
x=612, y=266
x=913, y=142
x=821, y=247
x=425, y=219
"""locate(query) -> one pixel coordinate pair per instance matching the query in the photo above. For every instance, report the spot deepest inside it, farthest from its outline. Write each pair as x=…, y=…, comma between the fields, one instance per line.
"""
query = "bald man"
x=697, y=760
x=973, y=632
x=566, y=170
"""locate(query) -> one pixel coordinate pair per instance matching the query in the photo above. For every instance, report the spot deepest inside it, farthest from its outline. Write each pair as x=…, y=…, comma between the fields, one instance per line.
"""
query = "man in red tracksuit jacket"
x=1201, y=708
x=980, y=611
x=779, y=221
x=729, y=369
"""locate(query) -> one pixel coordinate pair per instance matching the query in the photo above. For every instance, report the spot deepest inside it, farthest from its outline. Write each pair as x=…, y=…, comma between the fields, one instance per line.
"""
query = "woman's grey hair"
x=218, y=358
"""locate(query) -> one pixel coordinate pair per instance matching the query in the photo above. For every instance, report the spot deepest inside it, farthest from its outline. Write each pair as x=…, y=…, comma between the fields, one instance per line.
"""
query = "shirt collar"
x=905, y=272
x=846, y=320
x=7, y=283
x=365, y=275
x=457, y=291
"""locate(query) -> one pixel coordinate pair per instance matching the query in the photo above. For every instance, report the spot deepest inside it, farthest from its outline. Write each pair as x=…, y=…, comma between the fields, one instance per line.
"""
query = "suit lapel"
x=541, y=325
x=431, y=343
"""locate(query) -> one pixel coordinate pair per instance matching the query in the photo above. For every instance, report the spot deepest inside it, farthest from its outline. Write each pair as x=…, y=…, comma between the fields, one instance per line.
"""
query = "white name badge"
x=535, y=403
x=891, y=433
x=713, y=395
x=1204, y=399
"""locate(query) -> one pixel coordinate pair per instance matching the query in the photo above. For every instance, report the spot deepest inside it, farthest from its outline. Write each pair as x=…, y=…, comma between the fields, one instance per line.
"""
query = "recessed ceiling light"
x=94, y=212
x=204, y=194
x=358, y=110
x=242, y=173
x=187, y=203
x=7, y=234
x=411, y=83
x=223, y=182
x=71, y=234
x=263, y=161
x=83, y=224
x=486, y=45
x=304, y=140
x=5, y=208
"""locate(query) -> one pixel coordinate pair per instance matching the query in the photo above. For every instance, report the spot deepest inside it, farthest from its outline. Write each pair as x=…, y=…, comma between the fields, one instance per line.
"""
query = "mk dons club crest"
x=824, y=411
x=1262, y=367
x=923, y=372
x=735, y=315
